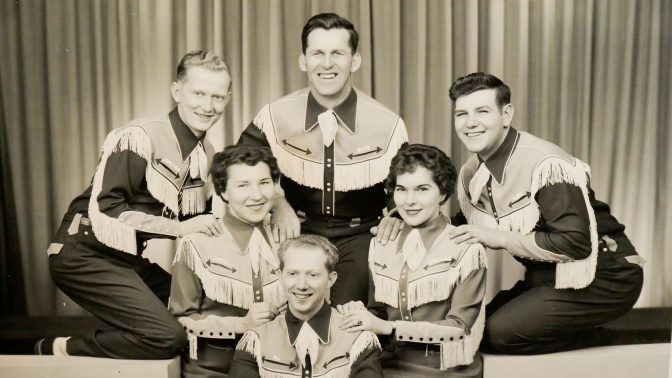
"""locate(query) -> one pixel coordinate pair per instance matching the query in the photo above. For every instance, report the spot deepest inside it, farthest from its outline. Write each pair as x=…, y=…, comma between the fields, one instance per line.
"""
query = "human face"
x=249, y=191
x=329, y=62
x=306, y=280
x=417, y=197
x=201, y=97
x=480, y=124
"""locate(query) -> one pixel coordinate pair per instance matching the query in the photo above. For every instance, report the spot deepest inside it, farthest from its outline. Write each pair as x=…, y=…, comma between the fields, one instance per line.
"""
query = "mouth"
x=302, y=296
x=474, y=134
x=412, y=211
x=327, y=76
x=257, y=207
x=204, y=117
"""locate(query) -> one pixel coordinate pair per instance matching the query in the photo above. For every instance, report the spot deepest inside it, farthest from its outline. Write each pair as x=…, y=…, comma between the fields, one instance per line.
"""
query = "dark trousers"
x=352, y=268
x=127, y=292
x=533, y=318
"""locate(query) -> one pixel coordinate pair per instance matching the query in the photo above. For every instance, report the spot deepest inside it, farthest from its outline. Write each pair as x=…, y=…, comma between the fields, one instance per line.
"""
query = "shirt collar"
x=497, y=162
x=345, y=112
x=428, y=232
x=241, y=231
x=186, y=139
x=319, y=323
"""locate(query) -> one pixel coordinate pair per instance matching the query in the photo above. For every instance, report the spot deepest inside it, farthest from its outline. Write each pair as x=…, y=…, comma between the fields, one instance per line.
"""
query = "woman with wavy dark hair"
x=224, y=285
x=426, y=292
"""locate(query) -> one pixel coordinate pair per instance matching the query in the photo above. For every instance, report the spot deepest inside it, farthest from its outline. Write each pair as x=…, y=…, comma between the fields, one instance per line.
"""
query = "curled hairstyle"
x=434, y=160
x=200, y=58
x=329, y=21
x=308, y=241
x=475, y=82
x=233, y=155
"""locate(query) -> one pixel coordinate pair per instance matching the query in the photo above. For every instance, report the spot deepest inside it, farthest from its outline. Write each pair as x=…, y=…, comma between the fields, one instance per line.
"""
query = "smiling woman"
x=424, y=273
x=222, y=286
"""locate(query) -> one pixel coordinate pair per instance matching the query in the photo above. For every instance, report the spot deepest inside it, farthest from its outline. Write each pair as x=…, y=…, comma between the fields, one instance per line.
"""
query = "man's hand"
x=259, y=313
x=352, y=306
x=284, y=222
x=472, y=234
x=388, y=228
x=205, y=223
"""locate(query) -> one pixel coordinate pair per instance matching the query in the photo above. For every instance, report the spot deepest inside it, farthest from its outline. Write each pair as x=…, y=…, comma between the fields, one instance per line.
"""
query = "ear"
x=356, y=62
x=176, y=91
x=507, y=112
x=332, y=278
x=302, y=63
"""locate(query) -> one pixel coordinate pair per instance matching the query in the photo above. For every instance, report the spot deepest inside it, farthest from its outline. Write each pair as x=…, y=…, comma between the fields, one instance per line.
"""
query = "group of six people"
x=290, y=281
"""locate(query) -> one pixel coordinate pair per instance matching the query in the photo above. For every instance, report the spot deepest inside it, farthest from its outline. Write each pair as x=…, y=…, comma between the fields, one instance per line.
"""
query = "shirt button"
x=257, y=292
x=328, y=165
x=604, y=249
x=328, y=207
x=328, y=184
x=328, y=189
x=329, y=160
x=406, y=317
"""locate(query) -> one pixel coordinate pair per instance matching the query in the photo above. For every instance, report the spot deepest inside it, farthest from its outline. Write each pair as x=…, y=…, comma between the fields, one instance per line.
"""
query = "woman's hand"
x=365, y=321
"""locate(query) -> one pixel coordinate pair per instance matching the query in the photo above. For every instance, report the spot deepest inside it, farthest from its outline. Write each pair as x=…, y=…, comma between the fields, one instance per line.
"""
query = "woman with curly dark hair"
x=426, y=291
x=223, y=286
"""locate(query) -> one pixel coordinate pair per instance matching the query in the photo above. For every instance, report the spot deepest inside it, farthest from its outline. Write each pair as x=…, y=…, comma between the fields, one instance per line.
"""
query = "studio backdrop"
x=590, y=75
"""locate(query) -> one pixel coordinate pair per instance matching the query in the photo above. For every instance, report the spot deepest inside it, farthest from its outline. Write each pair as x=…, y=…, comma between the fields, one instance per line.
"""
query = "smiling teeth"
x=475, y=133
x=302, y=296
x=328, y=76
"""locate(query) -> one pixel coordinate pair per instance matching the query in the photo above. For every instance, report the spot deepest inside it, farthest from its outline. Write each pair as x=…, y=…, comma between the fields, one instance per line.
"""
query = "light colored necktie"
x=329, y=126
x=259, y=249
x=198, y=162
x=478, y=182
x=413, y=249
x=307, y=342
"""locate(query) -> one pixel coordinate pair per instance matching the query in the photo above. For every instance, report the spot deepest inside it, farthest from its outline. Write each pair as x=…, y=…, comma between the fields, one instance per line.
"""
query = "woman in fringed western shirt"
x=426, y=292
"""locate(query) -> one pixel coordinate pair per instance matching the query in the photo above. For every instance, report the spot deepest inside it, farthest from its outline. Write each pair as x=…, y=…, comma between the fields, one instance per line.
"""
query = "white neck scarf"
x=258, y=249
x=413, y=249
x=198, y=162
x=478, y=182
x=329, y=126
x=307, y=342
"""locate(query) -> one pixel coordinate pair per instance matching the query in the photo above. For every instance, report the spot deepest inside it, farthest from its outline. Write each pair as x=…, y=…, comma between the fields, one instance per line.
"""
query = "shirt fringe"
x=110, y=231
x=219, y=288
x=347, y=177
x=432, y=288
x=569, y=275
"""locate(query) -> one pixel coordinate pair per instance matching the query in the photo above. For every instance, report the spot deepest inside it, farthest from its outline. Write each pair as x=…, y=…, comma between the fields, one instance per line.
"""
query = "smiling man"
x=307, y=341
x=151, y=182
x=334, y=145
x=526, y=196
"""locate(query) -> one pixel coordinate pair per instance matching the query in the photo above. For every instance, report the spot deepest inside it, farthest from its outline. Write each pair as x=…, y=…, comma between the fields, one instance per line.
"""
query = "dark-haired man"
x=526, y=196
x=334, y=145
x=151, y=182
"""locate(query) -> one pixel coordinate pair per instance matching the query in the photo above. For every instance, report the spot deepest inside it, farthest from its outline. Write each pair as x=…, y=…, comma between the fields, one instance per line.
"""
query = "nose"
x=327, y=61
x=471, y=120
x=256, y=193
x=206, y=104
x=410, y=197
x=301, y=282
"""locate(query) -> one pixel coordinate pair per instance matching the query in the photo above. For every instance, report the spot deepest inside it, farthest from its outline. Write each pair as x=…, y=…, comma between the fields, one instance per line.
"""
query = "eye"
x=197, y=93
x=483, y=111
x=399, y=189
x=460, y=114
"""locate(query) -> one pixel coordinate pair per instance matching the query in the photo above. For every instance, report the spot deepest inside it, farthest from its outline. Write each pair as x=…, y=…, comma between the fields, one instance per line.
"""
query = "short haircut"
x=329, y=21
x=308, y=241
x=232, y=155
x=434, y=160
x=477, y=81
x=200, y=58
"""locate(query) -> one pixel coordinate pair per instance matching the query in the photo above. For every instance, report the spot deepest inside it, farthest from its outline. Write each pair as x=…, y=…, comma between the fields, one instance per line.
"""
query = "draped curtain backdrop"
x=591, y=76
